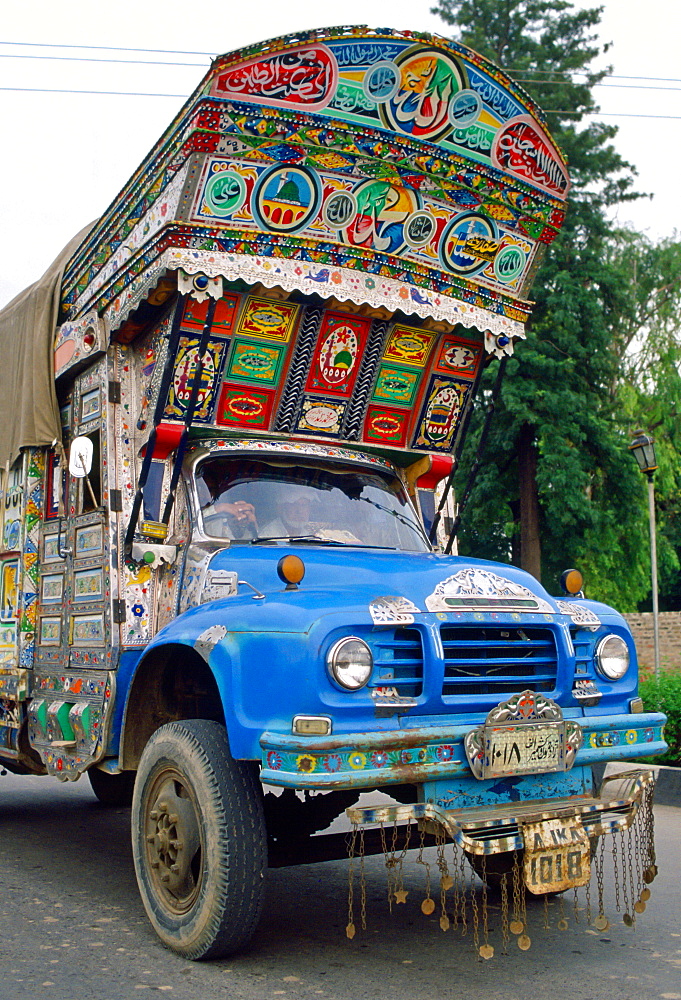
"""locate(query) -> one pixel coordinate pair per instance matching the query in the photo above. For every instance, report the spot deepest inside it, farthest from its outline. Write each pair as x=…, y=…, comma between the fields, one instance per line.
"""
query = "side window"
x=91, y=486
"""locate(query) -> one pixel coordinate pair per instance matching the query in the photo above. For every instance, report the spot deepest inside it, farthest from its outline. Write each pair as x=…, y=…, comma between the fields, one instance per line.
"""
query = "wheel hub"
x=173, y=842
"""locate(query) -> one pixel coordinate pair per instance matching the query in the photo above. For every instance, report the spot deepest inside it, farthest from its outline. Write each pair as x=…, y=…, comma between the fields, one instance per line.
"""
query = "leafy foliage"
x=564, y=389
x=665, y=696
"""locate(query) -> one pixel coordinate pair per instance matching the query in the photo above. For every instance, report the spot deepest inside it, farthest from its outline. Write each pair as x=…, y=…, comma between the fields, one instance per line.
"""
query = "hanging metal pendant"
x=649, y=874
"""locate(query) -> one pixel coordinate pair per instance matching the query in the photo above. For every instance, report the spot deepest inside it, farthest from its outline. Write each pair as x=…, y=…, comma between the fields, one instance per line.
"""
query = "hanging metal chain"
x=601, y=922
x=362, y=883
x=464, y=901
x=446, y=881
x=350, y=927
x=516, y=925
x=616, y=874
x=474, y=908
x=627, y=916
x=486, y=951
x=505, y=936
x=428, y=904
x=562, y=919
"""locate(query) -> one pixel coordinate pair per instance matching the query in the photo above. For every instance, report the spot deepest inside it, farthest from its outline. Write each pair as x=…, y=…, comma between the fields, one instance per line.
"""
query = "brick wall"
x=670, y=638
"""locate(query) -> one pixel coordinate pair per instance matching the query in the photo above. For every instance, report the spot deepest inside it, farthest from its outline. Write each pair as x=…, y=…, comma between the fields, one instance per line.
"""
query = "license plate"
x=527, y=748
x=557, y=855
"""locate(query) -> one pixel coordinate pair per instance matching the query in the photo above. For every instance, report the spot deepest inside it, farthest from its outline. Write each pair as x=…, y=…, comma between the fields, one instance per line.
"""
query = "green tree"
x=646, y=338
x=556, y=467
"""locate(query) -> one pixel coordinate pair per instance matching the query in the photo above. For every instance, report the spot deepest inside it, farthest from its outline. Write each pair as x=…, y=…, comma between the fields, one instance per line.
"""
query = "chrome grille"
x=498, y=661
x=398, y=661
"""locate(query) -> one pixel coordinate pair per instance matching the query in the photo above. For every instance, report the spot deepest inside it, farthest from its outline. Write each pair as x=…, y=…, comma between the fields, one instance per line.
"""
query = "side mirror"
x=80, y=457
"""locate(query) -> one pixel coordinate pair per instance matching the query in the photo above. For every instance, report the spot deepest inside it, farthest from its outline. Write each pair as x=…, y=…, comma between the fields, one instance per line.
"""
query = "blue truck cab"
x=227, y=590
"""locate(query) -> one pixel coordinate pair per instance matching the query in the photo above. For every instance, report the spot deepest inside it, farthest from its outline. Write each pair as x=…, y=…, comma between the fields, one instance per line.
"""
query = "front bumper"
x=426, y=754
x=487, y=831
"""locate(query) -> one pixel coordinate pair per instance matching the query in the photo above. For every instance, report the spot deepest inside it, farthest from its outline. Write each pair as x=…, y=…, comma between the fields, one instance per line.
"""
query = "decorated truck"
x=231, y=412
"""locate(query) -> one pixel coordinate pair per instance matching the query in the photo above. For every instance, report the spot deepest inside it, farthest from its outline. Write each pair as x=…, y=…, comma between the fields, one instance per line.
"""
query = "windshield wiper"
x=297, y=538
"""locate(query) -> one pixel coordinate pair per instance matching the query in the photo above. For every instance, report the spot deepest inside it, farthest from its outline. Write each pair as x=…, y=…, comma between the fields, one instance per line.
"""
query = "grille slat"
x=398, y=662
x=483, y=660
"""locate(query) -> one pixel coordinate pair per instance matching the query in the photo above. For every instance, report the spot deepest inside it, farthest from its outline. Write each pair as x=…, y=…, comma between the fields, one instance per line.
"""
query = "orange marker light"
x=572, y=581
x=291, y=570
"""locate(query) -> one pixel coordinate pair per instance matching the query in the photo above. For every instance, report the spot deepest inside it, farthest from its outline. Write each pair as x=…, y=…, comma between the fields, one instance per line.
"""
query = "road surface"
x=72, y=926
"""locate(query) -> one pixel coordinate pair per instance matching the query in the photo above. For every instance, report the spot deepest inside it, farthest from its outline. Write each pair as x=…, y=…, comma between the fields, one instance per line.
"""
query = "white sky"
x=65, y=156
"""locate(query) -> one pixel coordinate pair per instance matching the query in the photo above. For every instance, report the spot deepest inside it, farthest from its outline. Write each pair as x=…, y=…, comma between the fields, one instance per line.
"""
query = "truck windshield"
x=260, y=500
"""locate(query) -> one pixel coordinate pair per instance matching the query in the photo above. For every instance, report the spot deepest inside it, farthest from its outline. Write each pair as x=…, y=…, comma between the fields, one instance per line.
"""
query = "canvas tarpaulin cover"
x=29, y=412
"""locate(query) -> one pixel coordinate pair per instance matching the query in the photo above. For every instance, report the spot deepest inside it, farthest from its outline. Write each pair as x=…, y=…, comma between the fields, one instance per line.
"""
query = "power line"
x=211, y=55
x=133, y=93
x=160, y=62
x=610, y=114
x=102, y=93
x=621, y=86
x=108, y=48
x=96, y=59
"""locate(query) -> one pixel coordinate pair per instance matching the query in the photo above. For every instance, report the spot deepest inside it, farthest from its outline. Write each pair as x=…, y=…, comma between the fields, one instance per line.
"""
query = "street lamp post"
x=643, y=449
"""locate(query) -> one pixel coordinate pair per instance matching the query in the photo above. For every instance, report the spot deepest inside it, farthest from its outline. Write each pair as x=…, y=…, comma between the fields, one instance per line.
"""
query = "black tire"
x=198, y=840
x=112, y=789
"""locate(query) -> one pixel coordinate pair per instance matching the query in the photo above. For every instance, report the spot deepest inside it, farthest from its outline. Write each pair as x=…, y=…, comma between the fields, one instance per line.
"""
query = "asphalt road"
x=72, y=926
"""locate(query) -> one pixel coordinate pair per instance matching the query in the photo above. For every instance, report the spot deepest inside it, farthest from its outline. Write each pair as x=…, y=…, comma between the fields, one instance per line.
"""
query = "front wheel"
x=199, y=841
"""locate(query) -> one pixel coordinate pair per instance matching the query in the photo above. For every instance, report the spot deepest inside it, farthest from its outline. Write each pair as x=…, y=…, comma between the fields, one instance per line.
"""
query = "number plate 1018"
x=526, y=748
x=557, y=855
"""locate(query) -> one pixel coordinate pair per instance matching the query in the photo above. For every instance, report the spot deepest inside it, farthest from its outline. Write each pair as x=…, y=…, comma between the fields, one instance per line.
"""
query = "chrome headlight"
x=350, y=662
x=612, y=657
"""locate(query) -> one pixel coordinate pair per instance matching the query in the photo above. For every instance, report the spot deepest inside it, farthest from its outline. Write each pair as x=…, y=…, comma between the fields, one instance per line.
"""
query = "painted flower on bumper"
x=306, y=763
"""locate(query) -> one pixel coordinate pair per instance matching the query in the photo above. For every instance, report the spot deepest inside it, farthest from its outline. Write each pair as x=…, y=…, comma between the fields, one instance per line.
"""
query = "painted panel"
x=408, y=346
x=306, y=78
x=439, y=415
x=183, y=379
x=89, y=541
x=242, y=406
x=90, y=405
x=49, y=633
x=458, y=357
x=9, y=588
x=223, y=320
x=340, y=345
x=268, y=319
x=319, y=415
x=52, y=588
x=88, y=630
x=88, y=585
x=386, y=426
x=396, y=385
x=253, y=362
